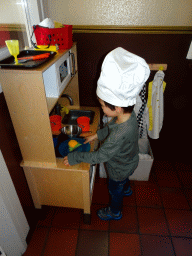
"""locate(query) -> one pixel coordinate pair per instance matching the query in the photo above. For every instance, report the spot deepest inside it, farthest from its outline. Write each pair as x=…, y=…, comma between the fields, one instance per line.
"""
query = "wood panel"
x=12, y=27
x=32, y=186
x=59, y=187
x=25, y=97
x=132, y=29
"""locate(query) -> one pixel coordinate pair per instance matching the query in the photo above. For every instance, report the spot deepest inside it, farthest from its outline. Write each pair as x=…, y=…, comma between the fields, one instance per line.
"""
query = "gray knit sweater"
x=119, y=151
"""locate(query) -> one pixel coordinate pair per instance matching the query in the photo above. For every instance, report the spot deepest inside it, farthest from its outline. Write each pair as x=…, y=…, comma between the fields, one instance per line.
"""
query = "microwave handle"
x=73, y=63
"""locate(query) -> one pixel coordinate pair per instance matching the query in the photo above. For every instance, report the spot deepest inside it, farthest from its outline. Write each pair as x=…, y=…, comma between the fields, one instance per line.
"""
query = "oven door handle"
x=73, y=63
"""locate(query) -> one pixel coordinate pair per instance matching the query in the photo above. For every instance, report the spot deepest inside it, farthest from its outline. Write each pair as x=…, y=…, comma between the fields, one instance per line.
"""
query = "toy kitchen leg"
x=33, y=187
x=86, y=197
x=87, y=218
x=88, y=185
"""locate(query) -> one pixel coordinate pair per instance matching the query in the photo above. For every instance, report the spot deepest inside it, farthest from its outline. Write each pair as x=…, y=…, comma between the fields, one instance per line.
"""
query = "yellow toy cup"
x=13, y=47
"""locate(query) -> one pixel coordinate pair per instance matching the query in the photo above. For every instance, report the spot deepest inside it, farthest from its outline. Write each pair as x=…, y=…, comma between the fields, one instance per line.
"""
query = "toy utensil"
x=37, y=57
x=13, y=47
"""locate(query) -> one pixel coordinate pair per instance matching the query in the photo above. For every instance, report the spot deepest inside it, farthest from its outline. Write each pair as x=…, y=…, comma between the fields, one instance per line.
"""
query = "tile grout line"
x=45, y=242
x=140, y=235
x=138, y=227
x=163, y=208
x=79, y=231
x=109, y=235
x=186, y=196
x=183, y=188
x=46, y=239
x=47, y=236
x=76, y=249
x=109, y=240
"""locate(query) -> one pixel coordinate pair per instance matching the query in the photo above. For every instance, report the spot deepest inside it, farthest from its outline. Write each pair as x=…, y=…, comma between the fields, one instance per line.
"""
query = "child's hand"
x=90, y=138
x=66, y=162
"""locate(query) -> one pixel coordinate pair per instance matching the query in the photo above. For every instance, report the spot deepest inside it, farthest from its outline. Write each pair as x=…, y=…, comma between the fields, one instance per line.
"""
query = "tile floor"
x=157, y=220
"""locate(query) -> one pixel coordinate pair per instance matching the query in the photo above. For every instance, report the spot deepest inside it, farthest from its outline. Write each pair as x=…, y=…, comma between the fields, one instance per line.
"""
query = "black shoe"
x=128, y=192
x=106, y=214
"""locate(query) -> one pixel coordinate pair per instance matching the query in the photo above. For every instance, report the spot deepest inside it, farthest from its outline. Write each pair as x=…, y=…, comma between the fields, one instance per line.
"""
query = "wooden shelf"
x=158, y=67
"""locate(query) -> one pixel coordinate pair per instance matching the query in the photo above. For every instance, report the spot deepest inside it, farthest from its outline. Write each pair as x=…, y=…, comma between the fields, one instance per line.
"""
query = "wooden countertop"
x=40, y=68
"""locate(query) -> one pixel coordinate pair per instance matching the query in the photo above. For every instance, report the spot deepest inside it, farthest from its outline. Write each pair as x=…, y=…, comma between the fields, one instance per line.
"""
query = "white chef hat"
x=122, y=77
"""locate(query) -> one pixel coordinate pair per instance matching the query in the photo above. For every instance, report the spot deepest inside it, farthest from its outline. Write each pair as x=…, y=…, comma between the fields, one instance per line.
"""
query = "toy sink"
x=71, y=118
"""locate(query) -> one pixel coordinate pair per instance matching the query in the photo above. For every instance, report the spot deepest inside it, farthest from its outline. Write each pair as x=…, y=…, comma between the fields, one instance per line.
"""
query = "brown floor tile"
x=100, y=192
x=130, y=200
x=183, y=246
x=37, y=242
x=142, y=183
x=67, y=218
x=167, y=177
x=152, y=176
x=61, y=242
x=174, y=198
x=182, y=166
x=92, y=243
x=124, y=244
x=96, y=222
x=188, y=194
x=180, y=222
x=156, y=246
x=148, y=195
x=152, y=221
x=186, y=178
x=46, y=216
x=128, y=223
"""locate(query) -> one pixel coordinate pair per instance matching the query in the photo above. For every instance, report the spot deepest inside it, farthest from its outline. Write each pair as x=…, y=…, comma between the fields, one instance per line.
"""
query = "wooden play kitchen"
x=50, y=181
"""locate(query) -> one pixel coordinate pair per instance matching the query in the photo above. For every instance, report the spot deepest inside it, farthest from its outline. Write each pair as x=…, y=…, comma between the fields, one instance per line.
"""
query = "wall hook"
x=161, y=68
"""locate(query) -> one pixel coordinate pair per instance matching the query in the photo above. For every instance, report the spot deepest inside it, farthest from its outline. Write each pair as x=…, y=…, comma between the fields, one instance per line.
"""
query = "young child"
x=122, y=76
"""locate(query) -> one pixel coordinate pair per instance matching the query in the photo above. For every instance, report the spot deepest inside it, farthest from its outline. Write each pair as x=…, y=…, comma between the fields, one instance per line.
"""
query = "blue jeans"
x=116, y=190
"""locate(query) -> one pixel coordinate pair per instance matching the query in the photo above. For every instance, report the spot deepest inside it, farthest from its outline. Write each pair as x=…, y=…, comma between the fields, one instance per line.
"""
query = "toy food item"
x=73, y=144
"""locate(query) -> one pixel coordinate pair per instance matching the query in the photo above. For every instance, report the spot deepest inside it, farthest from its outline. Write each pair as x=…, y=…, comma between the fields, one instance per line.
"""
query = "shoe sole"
x=110, y=218
x=128, y=194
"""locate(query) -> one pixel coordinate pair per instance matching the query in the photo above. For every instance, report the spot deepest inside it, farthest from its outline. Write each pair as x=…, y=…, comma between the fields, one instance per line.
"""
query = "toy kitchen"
x=32, y=94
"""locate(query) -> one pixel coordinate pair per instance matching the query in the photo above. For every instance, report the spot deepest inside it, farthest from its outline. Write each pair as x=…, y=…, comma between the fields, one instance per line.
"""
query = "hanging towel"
x=141, y=112
x=140, y=115
x=155, y=104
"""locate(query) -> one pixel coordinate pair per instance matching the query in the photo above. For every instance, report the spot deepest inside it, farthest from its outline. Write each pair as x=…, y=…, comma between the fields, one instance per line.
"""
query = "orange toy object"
x=36, y=57
x=55, y=122
x=84, y=123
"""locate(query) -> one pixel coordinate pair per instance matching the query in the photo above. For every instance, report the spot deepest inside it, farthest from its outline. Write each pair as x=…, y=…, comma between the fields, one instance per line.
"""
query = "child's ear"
x=118, y=109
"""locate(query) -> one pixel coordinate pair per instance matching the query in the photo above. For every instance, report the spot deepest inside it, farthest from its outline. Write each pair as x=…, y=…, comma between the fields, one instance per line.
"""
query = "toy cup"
x=84, y=123
x=13, y=47
x=55, y=122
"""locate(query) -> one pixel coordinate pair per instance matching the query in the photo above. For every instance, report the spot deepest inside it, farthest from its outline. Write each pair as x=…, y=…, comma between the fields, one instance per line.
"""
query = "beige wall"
x=11, y=11
x=121, y=12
